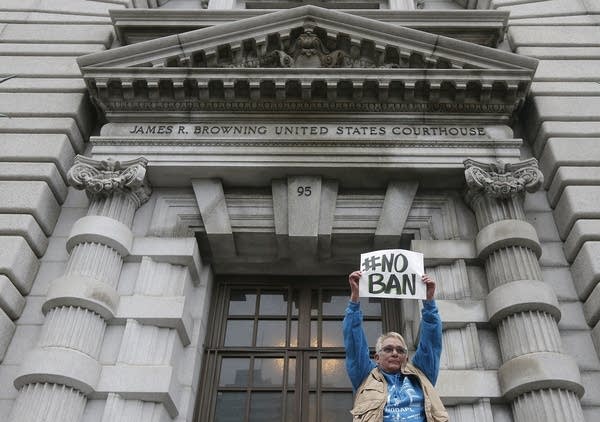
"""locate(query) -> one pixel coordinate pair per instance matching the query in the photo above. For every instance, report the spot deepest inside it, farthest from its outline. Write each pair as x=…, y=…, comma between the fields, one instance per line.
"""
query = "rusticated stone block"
x=591, y=307
x=560, y=108
x=576, y=203
x=33, y=198
x=31, y=66
x=24, y=225
x=75, y=106
x=568, y=152
x=586, y=269
x=44, y=125
x=11, y=300
x=7, y=329
x=553, y=36
x=39, y=148
x=45, y=172
x=18, y=262
x=582, y=231
x=49, y=33
x=571, y=176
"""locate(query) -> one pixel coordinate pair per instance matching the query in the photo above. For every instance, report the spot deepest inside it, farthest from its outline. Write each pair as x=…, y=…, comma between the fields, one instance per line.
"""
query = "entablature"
x=484, y=27
x=308, y=59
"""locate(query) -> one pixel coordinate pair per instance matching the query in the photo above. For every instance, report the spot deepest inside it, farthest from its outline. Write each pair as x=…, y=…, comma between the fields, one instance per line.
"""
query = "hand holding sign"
x=394, y=273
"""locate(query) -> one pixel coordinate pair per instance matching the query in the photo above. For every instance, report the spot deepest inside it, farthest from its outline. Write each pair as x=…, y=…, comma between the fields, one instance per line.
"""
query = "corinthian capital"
x=501, y=180
x=108, y=177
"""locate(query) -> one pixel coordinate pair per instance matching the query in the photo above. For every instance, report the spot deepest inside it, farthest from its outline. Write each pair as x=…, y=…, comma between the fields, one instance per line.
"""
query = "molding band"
x=542, y=370
x=157, y=383
x=521, y=296
x=104, y=230
x=506, y=233
x=59, y=365
x=84, y=292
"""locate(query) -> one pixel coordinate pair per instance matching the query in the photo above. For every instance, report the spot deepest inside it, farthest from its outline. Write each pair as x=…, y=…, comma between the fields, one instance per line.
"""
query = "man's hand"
x=353, y=281
x=429, y=285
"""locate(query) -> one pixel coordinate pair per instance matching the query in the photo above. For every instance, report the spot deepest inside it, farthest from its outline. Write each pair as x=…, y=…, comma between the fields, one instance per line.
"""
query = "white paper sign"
x=392, y=273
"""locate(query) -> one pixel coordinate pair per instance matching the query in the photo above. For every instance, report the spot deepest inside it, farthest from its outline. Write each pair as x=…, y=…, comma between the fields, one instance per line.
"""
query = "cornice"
x=308, y=59
x=484, y=27
x=307, y=90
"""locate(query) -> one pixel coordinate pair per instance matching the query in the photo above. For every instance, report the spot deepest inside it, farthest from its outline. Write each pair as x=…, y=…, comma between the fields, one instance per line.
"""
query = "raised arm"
x=429, y=350
x=358, y=362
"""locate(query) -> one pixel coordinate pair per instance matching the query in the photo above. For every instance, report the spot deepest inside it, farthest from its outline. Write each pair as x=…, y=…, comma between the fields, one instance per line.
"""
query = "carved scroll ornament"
x=502, y=180
x=108, y=177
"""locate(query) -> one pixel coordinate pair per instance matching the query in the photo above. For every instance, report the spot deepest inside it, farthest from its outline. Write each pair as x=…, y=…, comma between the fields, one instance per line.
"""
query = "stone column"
x=58, y=375
x=540, y=382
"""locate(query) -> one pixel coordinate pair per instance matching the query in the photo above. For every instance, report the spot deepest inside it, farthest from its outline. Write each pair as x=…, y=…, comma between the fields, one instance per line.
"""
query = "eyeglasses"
x=390, y=349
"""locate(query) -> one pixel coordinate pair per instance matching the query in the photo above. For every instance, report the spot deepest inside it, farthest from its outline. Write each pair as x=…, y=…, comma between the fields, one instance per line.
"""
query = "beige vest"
x=371, y=397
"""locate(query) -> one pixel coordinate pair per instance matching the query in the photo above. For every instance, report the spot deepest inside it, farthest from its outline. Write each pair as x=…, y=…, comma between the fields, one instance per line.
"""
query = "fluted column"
x=63, y=369
x=542, y=383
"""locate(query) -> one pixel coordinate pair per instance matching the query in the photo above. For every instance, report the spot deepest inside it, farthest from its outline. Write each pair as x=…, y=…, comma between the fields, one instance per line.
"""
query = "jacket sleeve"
x=429, y=350
x=358, y=362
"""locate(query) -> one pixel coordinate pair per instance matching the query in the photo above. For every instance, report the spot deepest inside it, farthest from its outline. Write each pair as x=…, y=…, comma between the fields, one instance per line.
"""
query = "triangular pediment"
x=308, y=59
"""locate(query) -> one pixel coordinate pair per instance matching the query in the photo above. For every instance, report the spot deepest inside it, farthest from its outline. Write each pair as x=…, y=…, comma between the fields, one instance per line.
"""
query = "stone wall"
x=562, y=124
x=45, y=119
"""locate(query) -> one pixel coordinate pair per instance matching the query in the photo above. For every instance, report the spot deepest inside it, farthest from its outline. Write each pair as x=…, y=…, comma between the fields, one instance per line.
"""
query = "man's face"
x=392, y=355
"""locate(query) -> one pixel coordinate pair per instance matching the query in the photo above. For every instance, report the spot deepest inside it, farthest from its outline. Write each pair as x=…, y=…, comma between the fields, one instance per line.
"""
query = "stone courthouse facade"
x=185, y=185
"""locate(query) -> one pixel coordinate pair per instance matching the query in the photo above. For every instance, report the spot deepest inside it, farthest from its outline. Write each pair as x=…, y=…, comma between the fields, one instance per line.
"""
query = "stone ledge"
x=586, y=269
x=568, y=70
x=459, y=313
x=591, y=307
x=571, y=130
x=44, y=126
x=156, y=383
x=31, y=197
x=529, y=9
x=47, y=105
x=45, y=172
x=576, y=203
x=24, y=225
x=40, y=67
x=59, y=365
x=18, y=262
x=39, y=148
x=7, y=330
x=553, y=36
x=72, y=49
x=506, y=233
x=569, y=176
x=439, y=252
x=103, y=230
x=167, y=312
x=11, y=300
x=541, y=370
x=582, y=231
x=474, y=385
x=596, y=338
x=560, y=108
x=521, y=296
x=180, y=251
x=59, y=34
x=574, y=152
x=64, y=6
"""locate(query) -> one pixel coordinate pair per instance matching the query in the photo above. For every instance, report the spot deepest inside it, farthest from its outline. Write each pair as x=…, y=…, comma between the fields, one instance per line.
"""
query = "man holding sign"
x=392, y=389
